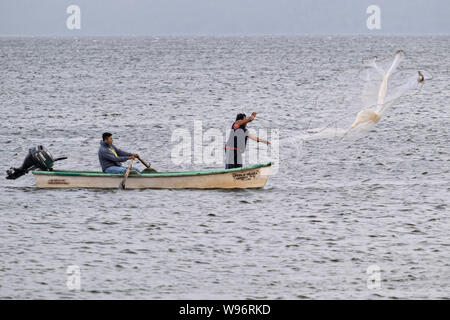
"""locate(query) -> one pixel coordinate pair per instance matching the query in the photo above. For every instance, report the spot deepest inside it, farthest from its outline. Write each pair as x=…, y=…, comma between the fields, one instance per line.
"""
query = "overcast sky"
x=222, y=17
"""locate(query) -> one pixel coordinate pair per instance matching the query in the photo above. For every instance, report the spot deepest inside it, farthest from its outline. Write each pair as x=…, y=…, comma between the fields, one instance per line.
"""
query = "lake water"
x=334, y=208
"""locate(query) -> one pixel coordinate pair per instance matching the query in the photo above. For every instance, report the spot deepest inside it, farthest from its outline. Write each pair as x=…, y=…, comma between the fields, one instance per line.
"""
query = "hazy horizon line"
x=218, y=35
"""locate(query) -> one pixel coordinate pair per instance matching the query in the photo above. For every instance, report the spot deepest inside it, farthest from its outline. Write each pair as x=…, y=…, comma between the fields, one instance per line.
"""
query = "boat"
x=253, y=176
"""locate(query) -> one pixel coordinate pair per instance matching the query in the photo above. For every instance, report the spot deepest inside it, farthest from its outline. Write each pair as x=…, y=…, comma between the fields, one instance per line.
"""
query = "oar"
x=149, y=169
x=122, y=184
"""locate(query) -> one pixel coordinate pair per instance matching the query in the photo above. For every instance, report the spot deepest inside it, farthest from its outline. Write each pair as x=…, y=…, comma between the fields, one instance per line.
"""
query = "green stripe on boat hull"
x=254, y=176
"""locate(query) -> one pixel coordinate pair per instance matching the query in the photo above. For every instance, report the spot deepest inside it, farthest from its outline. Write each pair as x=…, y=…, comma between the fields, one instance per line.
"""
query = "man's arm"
x=244, y=121
x=126, y=154
x=108, y=155
x=257, y=139
x=122, y=153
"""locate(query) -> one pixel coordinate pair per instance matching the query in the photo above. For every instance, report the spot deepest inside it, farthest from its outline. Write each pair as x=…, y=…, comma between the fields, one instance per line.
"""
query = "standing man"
x=111, y=157
x=237, y=141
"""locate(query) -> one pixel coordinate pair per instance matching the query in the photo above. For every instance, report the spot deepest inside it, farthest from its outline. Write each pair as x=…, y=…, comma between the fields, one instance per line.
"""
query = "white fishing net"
x=383, y=85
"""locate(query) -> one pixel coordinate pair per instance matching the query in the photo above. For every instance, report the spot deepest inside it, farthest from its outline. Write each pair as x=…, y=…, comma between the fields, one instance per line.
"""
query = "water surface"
x=333, y=209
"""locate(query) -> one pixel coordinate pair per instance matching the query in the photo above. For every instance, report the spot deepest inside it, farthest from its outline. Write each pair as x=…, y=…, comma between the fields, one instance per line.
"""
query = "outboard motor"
x=37, y=158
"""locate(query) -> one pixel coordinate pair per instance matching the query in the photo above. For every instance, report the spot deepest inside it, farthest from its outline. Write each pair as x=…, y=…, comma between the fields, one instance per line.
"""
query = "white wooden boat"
x=254, y=176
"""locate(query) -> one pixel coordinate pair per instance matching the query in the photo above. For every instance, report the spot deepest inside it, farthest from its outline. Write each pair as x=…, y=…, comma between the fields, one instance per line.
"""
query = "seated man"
x=110, y=157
